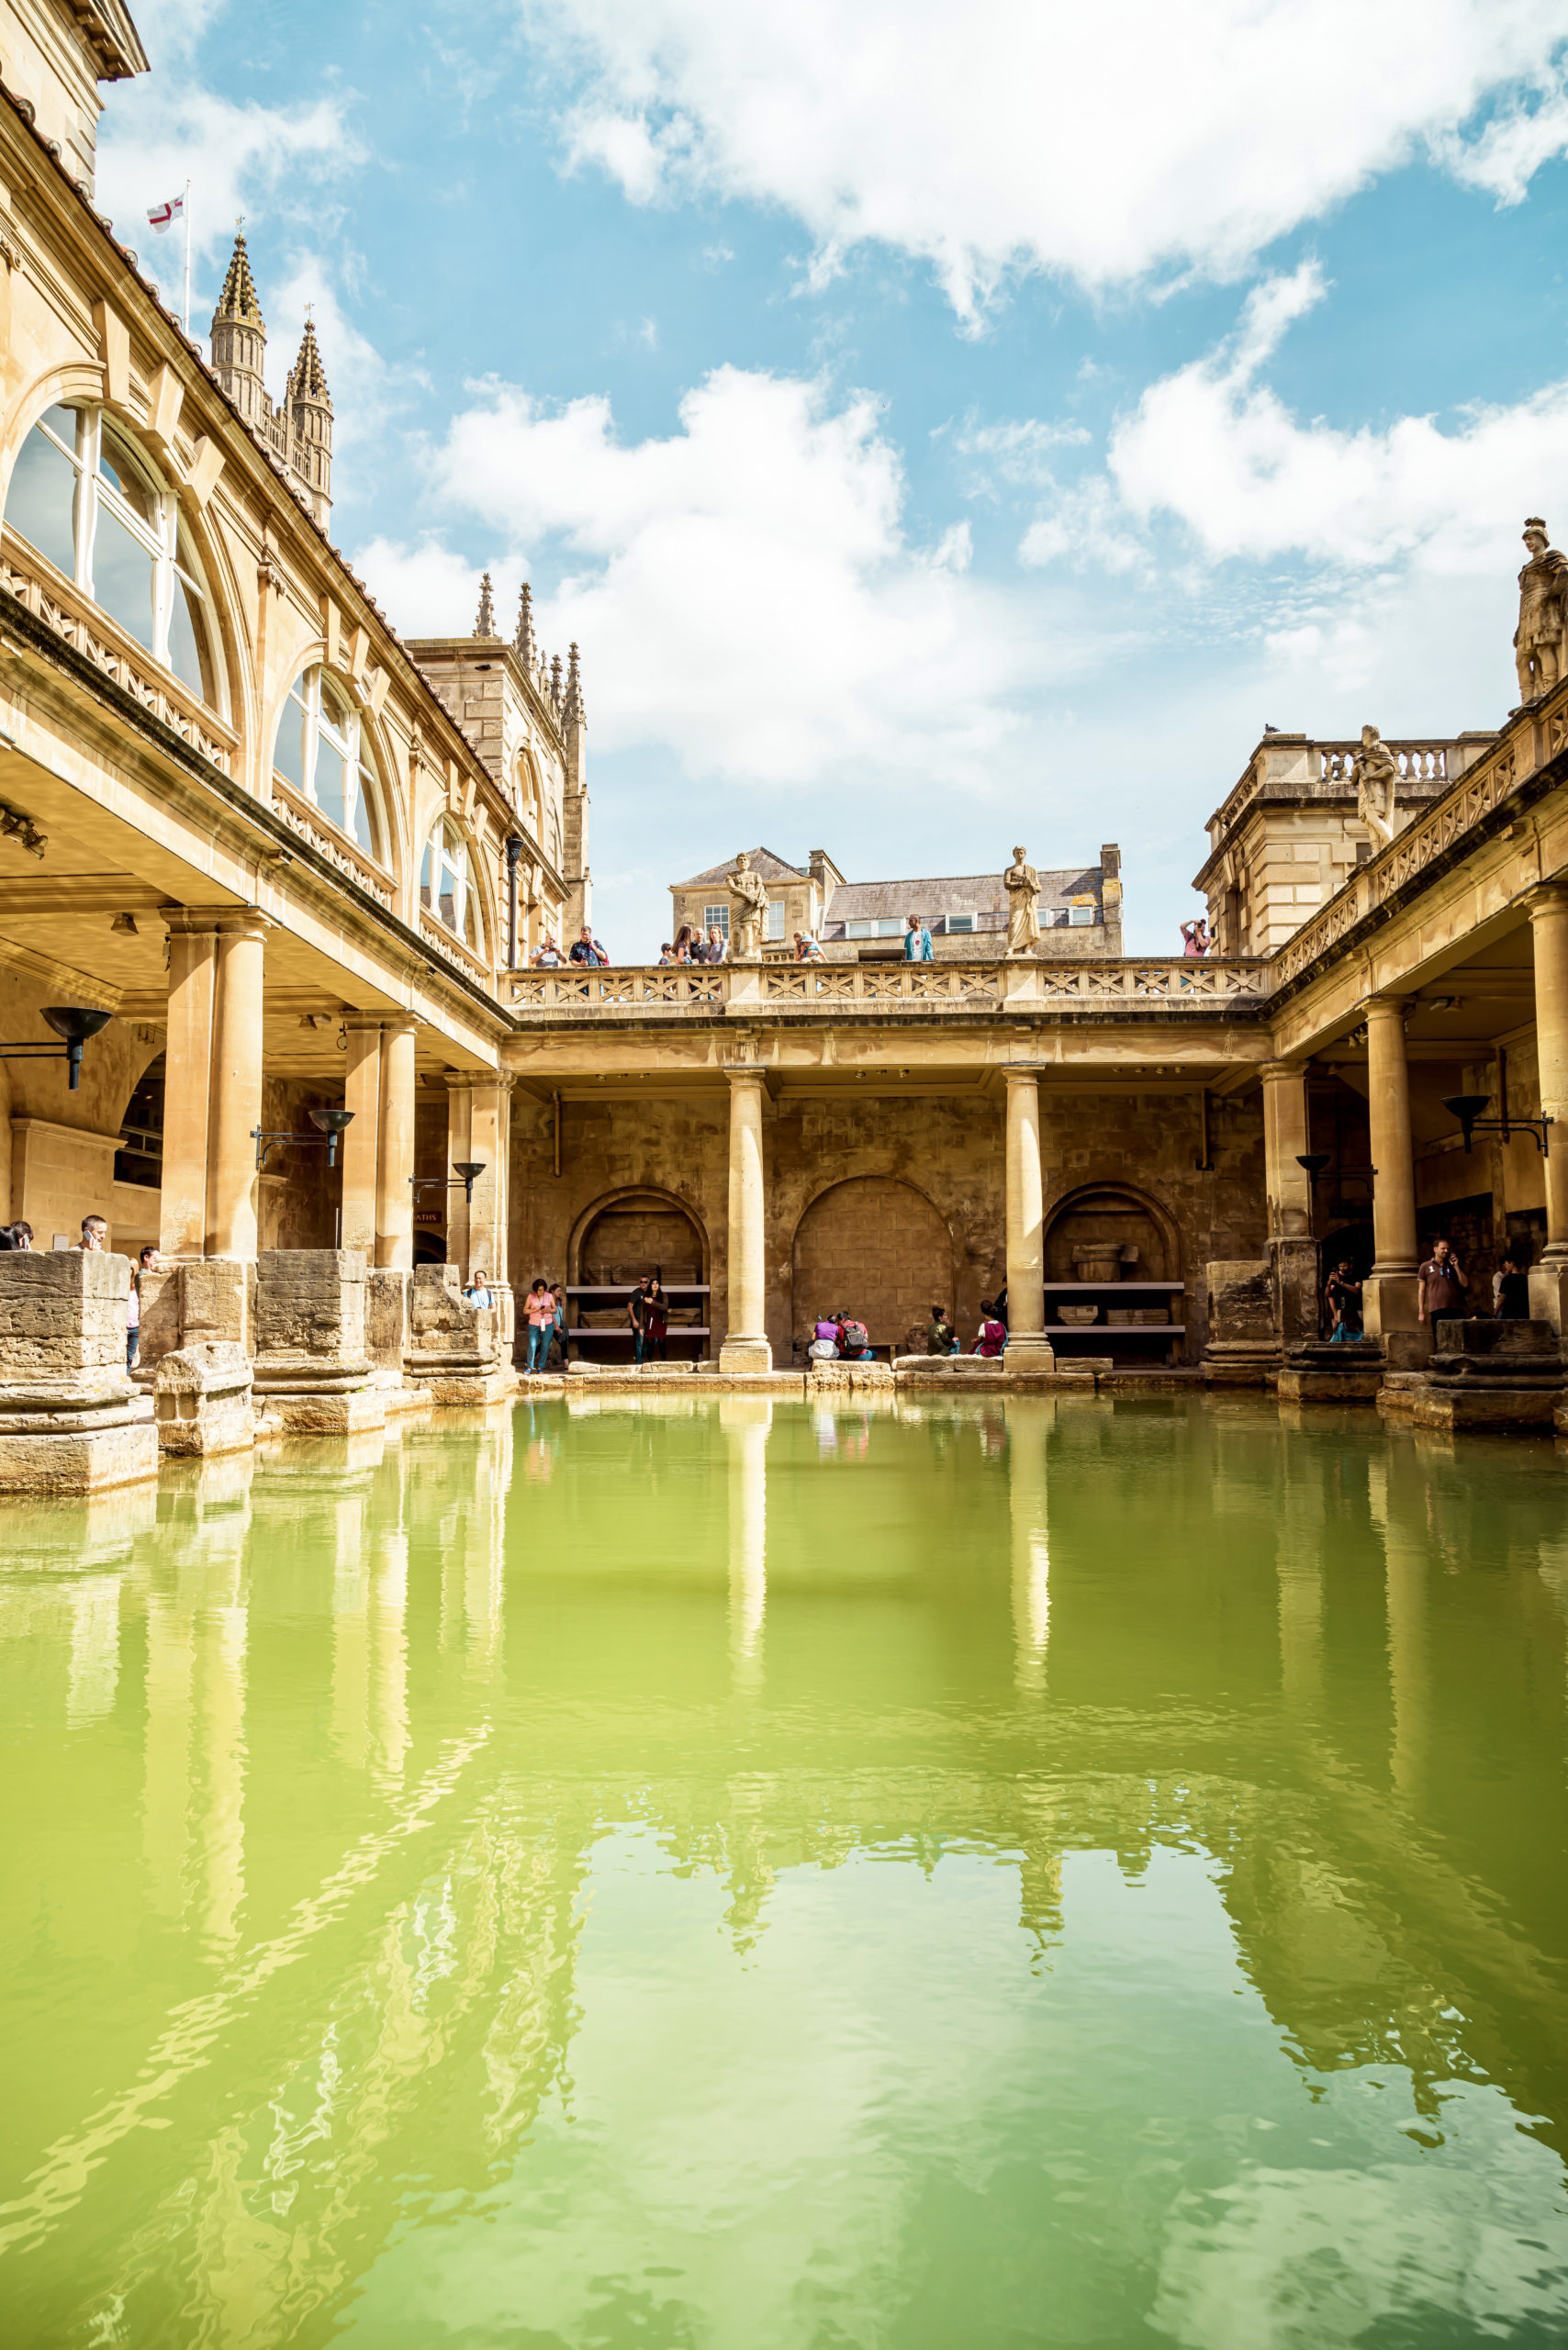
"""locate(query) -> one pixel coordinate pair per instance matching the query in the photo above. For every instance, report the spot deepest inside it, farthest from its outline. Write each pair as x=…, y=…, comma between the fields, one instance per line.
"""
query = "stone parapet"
x=1486, y=1374
x=452, y=1346
x=203, y=1403
x=1320, y=1371
x=70, y=1420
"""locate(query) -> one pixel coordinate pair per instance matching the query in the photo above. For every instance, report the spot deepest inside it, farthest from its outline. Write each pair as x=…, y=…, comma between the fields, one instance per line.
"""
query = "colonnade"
x=212, y=1098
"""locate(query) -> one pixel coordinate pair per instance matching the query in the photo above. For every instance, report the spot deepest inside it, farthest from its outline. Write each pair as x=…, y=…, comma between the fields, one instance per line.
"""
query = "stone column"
x=236, y=1085
x=1028, y=1348
x=1549, y=929
x=1292, y=1254
x=187, y=1082
x=394, y=1159
x=490, y=1136
x=1390, y=1294
x=746, y=1346
x=459, y=1142
x=361, y=1145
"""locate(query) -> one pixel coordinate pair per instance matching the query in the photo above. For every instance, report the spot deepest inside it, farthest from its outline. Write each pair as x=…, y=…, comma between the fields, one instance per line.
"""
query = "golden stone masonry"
x=284, y=901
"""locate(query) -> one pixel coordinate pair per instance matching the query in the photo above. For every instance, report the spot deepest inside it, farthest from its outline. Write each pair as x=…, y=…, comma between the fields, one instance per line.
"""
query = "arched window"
x=446, y=884
x=323, y=751
x=86, y=499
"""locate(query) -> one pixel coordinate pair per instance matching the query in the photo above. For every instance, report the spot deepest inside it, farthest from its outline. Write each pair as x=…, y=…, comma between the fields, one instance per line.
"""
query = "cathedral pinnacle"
x=308, y=377
x=485, y=625
x=239, y=304
x=527, y=649
x=556, y=680
x=573, y=713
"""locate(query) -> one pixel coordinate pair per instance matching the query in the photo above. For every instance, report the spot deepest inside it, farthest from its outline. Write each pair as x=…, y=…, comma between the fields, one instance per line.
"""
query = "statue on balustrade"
x=1023, y=885
x=1376, y=773
x=1538, y=641
x=749, y=909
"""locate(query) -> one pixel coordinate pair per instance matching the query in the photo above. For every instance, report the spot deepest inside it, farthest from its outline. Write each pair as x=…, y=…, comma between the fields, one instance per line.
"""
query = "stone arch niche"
x=618, y=1240
x=876, y=1247
x=1113, y=1232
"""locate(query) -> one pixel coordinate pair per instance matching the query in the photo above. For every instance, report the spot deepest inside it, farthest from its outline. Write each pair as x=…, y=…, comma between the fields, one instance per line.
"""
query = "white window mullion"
x=164, y=581
x=86, y=514
x=312, y=698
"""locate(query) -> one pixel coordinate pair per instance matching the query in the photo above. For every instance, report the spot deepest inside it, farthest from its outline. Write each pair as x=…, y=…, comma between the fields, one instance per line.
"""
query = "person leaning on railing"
x=586, y=947
x=547, y=955
x=806, y=950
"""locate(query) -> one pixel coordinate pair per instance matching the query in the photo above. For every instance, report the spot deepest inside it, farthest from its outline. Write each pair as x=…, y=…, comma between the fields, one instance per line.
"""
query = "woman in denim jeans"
x=541, y=1311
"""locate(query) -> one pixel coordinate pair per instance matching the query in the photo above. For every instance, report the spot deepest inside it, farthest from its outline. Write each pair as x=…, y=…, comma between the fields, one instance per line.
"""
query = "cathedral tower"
x=309, y=405
x=240, y=339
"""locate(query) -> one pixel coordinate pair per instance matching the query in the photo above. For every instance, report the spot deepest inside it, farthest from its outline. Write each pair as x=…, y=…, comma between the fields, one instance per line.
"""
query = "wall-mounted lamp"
x=329, y=1122
x=1467, y=1109
x=73, y=1024
x=1315, y=1161
x=467, y=1172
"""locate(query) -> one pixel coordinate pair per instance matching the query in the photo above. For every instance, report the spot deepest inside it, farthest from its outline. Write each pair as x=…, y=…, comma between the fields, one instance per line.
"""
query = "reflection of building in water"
x=1029, y=1422
x=746, y=1420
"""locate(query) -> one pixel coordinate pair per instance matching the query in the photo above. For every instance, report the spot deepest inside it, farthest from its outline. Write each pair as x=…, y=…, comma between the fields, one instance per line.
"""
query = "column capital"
x=243, y=922
x=745, y=1073
x=1389, y=1005
x=1276, y=1072
x=1547, y=898
x=184, y=920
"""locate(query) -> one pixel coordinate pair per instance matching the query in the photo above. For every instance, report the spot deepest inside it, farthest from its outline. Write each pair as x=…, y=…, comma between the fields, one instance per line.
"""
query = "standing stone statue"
x=749, y=906
x=1538, y=639
x=1376, y=773
x=1023, y=884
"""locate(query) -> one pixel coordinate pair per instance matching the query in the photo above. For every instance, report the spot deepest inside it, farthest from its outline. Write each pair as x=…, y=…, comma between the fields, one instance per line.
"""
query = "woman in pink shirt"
x=541, y=1311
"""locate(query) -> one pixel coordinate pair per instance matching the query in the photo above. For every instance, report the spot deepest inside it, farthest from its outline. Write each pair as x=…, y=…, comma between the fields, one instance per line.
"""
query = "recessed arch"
x=1112, y=1216
x=875, y=1247
x=620, y=1236
x=325, y=747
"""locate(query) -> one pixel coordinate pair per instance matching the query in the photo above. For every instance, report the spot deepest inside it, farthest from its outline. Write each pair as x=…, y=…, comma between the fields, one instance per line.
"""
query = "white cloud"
x=744, y=591
x=424, y=590
x=159, y=133
x=1029, y=133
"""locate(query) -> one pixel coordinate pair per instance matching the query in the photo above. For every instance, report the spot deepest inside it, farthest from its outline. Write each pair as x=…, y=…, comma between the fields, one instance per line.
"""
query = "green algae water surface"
x=923, y=1879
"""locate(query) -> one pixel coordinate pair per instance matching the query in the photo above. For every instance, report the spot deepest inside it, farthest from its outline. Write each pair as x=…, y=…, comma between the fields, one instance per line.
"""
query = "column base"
x=1391, y=1302
x=85, y=1461
x=1549, y=1292
x=741, y=1353
x=1028, y=1350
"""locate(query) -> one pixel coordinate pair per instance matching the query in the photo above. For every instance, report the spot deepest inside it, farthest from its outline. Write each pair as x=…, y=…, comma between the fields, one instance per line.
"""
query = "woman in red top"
x=993, y=1334
x=658, y=1318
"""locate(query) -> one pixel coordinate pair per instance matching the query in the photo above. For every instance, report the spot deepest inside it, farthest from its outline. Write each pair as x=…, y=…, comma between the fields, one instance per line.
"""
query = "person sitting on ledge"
x=993, y=1339
x=941, y=1339
x=587, y=948
x=854, y=1340
x=806, y=950
x=824, y=1340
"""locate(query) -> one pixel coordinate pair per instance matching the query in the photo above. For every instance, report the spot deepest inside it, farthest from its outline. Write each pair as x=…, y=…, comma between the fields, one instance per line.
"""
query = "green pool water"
x=1076, y=1872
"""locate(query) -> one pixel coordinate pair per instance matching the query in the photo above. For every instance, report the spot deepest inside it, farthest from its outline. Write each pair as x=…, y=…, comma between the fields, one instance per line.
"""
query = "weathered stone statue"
x=749, y=909
x=1376, y=772
x=1538, y=641
x=1023, y=885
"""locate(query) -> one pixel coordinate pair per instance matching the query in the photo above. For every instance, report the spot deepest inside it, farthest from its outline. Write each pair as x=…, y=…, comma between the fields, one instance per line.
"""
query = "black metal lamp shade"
x=73, y=1024
x=1466, y=1107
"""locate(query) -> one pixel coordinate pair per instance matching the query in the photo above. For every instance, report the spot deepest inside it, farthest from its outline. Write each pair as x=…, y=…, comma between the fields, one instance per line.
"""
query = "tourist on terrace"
x=941, y=1339
x=1342, y=1294
x=1442, y=1284
x=667, y=954
x=1195, y=939
x=917, y=946
x=1510, y=1284
x=547, y=955
x=637, y=1315
x=540, y=1310
x=806, y=950
x=95, y=1233
x=587, y=948
x=686, y=944
x=718, y=945
x=993, y=1339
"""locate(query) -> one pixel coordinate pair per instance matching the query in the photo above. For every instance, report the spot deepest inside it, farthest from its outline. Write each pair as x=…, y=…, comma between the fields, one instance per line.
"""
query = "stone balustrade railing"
x=1185, y=985
x=301, y=817
x=1417, y=762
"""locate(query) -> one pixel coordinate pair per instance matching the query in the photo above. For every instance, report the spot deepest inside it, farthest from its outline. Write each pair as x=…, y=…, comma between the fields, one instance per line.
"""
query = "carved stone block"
x=312, y=1372
x=202, y=1402
x=71, y=1422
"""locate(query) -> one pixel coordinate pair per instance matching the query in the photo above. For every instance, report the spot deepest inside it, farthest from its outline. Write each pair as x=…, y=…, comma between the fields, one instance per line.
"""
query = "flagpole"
x=188, y=314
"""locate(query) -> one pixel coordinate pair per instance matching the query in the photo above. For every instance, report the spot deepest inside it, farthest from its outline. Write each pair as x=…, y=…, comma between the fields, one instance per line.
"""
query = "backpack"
x=857, y=1334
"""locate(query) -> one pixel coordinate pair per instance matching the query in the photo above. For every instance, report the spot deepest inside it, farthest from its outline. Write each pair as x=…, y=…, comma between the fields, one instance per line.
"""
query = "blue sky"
x=939, y=428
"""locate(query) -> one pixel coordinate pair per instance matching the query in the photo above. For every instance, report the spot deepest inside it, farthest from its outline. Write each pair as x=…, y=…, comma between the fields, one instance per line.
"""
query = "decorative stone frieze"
x=71, y=1421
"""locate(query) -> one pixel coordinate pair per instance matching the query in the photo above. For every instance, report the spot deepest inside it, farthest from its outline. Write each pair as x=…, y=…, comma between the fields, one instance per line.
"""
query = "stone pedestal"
x=387, y=1328
x=848, y=1378
x=203, y=1403
x=452, y=1345
x=1491, y=1375
x=312, y=1372
x=71, y=1421
x=1243, y=1344
x=1320, y=1373
x=1293, y=1270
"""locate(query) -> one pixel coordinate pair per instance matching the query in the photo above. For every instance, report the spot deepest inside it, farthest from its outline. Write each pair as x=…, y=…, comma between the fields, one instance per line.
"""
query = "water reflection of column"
x=350, y=1538
x=389, y=1609
x=1299, y=1569
x=1029, y=1422
x=1398, y=1499
x=484, y=1582
x=93, y=1672
x=746, y=1420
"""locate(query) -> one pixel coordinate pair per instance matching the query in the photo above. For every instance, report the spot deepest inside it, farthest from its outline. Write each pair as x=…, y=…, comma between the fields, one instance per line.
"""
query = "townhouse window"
x=884, y=926
x=775, y=917
x=960, y=925
x=446, y=884
x=321, y=750
x=90, y=503
x=1081, y=917
x=717, y=917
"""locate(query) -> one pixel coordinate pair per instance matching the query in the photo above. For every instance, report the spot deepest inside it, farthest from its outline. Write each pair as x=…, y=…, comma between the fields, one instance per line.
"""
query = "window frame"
x=717, y=917
x=164, y=542
x=352, y=742
x=464, y=868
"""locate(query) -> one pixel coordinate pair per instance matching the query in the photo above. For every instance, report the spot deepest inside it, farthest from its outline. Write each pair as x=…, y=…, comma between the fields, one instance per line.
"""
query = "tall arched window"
x=88, y=501
x=446, y=884
x=323, y=751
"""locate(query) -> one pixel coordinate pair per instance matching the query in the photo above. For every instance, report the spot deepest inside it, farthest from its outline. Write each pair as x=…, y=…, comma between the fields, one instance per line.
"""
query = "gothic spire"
x=556, y=680
x=527, y=649
x=485, y=625
x=239, y=304
x=574, y=712
x=308, y=377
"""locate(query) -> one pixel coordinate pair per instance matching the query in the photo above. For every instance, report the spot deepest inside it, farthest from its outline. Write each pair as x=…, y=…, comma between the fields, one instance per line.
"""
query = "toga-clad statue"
x=1376, y=772
x=749, y=906
x=1538, y=639
x=1023, y=885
